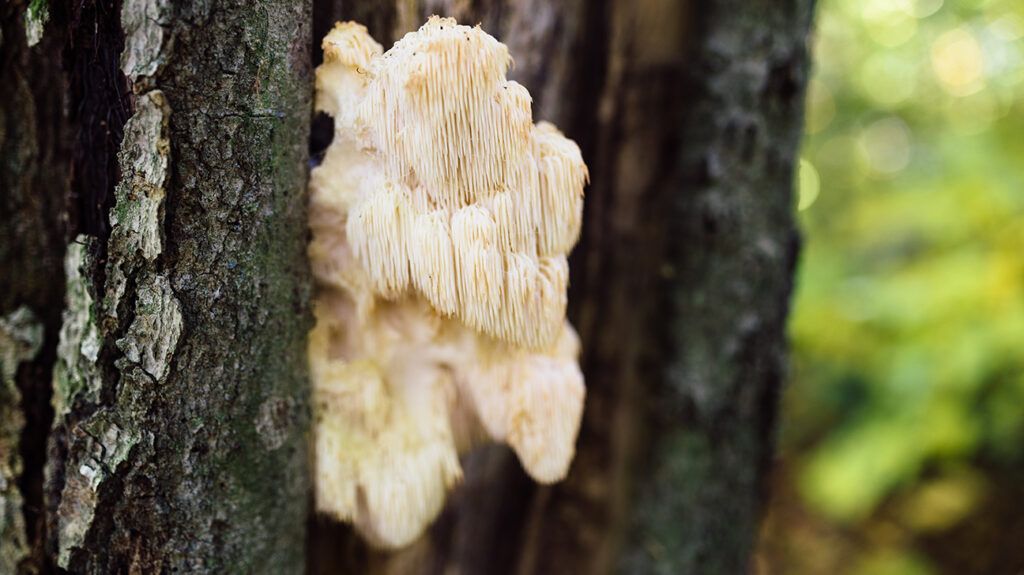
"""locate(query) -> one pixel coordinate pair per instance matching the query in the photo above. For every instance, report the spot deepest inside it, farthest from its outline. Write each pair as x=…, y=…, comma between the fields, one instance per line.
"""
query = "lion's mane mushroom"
x=441, y=219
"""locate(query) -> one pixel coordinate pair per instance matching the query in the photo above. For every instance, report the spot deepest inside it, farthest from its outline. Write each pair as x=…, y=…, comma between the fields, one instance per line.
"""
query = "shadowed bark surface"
x=34, y=172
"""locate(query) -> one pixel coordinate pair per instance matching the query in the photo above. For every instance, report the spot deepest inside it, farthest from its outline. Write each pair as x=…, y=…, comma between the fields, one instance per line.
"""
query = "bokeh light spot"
x=889, y=22
x=888, y=79
x=809, y=184
x=1008, y=28
x=958, y=62
x=925, y=8
x=884, y=146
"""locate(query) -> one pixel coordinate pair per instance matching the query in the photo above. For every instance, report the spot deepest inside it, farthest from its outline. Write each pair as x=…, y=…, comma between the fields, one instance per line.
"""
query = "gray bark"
x=689, y=116
x=178, y=438
x=731, y=252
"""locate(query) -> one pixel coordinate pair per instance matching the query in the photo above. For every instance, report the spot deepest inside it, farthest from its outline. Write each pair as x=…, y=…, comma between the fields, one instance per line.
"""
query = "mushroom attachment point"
x=442, y=217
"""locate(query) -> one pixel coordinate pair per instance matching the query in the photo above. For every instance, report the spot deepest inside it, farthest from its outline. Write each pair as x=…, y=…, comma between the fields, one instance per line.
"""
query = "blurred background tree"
x=902, y=441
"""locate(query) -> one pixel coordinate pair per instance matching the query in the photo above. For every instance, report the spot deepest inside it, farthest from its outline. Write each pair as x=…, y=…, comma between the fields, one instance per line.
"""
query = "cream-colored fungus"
x=441, y=218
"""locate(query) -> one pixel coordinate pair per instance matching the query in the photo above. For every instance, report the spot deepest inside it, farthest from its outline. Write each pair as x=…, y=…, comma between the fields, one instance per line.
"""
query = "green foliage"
x=908, y=329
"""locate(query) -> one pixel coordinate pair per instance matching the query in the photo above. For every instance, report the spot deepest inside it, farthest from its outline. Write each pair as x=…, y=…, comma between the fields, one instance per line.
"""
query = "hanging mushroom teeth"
x=451, y=134
x=441, y=219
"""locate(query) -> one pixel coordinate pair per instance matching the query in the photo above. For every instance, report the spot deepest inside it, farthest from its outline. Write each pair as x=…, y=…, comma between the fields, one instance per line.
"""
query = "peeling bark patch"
x=100, y=446
x=142, y=22
x=153, y=335
x=36, y=16
x=79, y=347
x=136, y=218
x=140, y=315
x=21, y=336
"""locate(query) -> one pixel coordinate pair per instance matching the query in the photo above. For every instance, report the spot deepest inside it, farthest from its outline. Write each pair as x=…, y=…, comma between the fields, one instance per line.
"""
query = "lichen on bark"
x=36, y=15
x=143, y=22
x=136, y=221
x=21, y=336
x=122, y=322
x=153, y=334
x=96, y=406
x=102, y=444
x=75, y=372
x=179, y=444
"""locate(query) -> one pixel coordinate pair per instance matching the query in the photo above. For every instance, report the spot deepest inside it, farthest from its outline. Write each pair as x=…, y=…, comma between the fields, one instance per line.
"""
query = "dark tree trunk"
x=689, y=116
x=178, y=439
x=153, y=408
x=34, y=172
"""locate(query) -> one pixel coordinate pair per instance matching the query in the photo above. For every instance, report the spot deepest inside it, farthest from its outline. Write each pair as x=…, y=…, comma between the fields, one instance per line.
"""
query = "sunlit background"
x=902, y=448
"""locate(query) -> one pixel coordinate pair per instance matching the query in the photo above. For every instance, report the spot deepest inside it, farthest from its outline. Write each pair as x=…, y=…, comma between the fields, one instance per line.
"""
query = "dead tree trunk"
x=689, y=116
x=177, y=438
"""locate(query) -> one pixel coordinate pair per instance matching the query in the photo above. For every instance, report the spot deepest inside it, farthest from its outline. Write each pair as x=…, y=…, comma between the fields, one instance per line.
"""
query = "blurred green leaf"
x=908, y=327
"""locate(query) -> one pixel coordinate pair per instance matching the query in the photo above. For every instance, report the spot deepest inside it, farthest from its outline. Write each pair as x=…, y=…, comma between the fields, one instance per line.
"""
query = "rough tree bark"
x=158, y=150
x=689, y=116
x=34, y=171
x=177, y=438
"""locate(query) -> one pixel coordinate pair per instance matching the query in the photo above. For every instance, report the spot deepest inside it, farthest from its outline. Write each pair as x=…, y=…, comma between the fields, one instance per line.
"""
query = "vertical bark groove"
x=34, y=172
x=100, y=106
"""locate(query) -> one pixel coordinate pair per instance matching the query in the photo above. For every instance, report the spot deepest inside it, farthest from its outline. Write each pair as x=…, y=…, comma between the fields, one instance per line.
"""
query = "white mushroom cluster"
x=441, y=217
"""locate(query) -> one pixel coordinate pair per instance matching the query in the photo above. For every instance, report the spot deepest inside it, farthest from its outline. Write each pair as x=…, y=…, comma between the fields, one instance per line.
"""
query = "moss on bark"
x=181, y=444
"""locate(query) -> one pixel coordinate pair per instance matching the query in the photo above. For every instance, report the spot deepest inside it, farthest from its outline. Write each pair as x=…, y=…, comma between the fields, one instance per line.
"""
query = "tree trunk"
x=34, y=172
x=178, y=438
x=159, y=151
x=689, y=116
